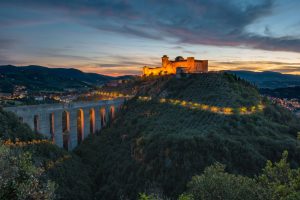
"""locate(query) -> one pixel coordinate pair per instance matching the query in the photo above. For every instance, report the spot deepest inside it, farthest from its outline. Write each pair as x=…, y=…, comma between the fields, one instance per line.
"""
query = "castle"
x=179, y=65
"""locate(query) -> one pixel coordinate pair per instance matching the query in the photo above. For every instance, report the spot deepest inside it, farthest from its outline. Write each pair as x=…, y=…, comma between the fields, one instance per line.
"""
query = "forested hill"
x=169, y=132
x=174, y=128
x=42, y=78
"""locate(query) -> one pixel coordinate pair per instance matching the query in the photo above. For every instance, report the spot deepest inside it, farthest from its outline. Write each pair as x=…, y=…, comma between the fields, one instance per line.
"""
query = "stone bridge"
x=68, y=124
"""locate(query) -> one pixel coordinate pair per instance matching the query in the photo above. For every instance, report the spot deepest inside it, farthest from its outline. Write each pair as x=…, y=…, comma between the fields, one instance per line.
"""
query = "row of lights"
x=19, y=143
x=214, y=109
x=194, y=105
x=114, y=94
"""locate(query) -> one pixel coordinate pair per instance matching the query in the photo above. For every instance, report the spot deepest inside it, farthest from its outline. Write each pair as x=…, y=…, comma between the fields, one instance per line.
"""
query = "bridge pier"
x=86, y=122
x=58, y=138
x=97, y=118
x=44, y=124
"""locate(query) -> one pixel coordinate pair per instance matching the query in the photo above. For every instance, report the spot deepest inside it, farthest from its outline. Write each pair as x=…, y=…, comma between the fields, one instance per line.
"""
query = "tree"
x=216, y=184
x=20, y=179
x=279, y=181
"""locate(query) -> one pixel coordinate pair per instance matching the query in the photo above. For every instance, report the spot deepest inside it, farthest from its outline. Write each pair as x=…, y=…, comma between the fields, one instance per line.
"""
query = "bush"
x=20, y=179
x=277, y=182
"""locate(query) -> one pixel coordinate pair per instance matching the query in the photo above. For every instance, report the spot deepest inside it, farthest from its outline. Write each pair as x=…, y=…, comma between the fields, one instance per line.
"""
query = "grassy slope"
x=153, y=145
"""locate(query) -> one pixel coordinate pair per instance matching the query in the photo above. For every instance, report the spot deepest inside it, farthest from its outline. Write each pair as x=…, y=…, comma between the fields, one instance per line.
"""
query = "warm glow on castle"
x=179, y=65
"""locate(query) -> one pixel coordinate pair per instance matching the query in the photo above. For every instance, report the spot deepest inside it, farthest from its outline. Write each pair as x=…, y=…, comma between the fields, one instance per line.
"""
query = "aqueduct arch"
x=68, y=124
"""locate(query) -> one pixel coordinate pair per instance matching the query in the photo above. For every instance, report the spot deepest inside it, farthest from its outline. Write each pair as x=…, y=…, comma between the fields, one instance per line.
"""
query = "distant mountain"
x=269, y=79
x=37, y=78
x=288, y=92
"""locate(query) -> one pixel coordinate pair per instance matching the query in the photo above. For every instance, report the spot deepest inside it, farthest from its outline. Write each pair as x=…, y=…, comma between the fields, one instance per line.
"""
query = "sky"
x=118, y=37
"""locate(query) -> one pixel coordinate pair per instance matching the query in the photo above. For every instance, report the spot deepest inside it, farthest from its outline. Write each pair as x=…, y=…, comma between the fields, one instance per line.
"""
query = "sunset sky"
x=119, y=37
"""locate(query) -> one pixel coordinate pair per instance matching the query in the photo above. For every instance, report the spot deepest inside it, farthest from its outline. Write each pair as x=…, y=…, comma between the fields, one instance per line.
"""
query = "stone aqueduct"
x=68, y=124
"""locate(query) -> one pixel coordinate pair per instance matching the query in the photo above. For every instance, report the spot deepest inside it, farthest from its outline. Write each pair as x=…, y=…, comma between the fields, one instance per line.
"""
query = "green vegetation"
x=155, y=146
x=277, y=182
x=20, y=179
x=11, y=128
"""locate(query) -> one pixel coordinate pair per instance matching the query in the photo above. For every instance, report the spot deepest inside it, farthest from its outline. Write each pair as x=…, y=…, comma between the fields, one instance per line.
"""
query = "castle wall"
x=201, y=66
x=152, y=71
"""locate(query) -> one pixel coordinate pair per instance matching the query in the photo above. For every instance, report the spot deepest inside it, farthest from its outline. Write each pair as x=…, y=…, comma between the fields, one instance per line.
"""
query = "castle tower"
x=191, y=64
x=165, y=61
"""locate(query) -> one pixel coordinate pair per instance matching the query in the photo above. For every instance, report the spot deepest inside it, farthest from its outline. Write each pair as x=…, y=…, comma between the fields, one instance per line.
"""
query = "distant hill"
x=288, y=92
x=157, y=146
x=37, y=78
x=269, y=79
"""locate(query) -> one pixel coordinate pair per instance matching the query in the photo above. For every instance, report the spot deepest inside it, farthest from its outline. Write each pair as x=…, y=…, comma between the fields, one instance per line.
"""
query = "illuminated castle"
x=179, y=65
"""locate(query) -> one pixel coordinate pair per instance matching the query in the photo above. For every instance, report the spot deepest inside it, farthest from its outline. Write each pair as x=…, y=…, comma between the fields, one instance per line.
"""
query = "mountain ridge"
x=37, y=78
x=268, y=79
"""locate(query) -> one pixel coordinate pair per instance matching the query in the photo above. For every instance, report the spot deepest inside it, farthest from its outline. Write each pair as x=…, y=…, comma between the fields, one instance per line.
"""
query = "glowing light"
x=19, y=143
x=214, y=109
x=114, y=94
x=195, y=105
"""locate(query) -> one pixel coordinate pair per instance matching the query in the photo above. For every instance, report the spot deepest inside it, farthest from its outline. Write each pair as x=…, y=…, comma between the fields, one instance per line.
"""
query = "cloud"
x=117, y=70
x=6, y=43
x=282, y=67
x=206, y=22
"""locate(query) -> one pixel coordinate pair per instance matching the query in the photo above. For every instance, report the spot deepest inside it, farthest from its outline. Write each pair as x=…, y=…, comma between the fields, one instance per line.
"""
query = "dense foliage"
x=20, y=179
x=277, y=182
x=11, y=128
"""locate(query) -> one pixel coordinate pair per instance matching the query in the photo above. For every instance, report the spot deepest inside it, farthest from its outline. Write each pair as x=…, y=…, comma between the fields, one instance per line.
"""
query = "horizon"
x=140, y=73
x=119, y=38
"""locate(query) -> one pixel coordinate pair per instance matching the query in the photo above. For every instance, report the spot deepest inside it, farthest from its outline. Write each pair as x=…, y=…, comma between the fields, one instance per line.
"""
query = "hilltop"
x=174, y=128
x=37, y=78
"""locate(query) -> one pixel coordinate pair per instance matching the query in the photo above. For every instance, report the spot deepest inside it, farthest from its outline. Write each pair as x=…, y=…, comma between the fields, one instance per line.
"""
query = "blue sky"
x=120, y=37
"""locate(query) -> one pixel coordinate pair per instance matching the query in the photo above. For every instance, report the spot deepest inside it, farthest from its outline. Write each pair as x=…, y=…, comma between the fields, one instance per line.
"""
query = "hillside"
x=37, y=78
x=177, y=127
x=56, y=165
x=269, y=79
